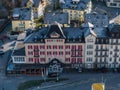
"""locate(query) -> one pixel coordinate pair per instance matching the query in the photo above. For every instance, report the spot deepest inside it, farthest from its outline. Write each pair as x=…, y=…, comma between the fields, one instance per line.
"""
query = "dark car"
x=1, y=52
x=53, y=74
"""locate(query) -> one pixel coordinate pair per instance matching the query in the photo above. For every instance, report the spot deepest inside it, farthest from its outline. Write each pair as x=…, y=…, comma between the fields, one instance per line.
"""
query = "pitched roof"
x=62, y=18
x=70, y=33
x=57, y=29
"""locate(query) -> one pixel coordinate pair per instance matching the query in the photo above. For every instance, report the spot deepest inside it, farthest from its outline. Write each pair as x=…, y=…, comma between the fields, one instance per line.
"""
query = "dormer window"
x=112, y=35
x=54, y=35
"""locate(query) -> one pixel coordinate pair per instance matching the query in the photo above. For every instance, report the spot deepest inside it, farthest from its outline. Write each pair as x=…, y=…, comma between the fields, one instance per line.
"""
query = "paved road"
x=84, y=82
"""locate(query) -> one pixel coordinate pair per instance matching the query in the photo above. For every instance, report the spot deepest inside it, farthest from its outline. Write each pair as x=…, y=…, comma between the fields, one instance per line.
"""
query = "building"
x=41, y=50
x=37, y=6
x=98, y=20
x=105, y=43
x=113, y=3
x=55, y=49
x=22, y=19
x=62, y=18
x=76, y=9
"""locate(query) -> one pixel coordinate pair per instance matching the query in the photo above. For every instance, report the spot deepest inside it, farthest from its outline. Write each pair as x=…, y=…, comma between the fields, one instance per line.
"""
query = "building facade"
x=46, y=50
x=22, y=19
x=76, y=9
x=56, y=49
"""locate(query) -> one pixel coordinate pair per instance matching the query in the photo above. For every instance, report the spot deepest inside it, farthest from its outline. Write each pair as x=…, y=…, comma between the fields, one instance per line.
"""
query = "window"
x=89, y=59
x=36, y=47
x=49, y=53
x=79, y=53
x=73, y=47
x=36, y=60
x=42, y=53
x=73, y=53
x=80, y=47
x=29, y=46
x=36, y=54
x=89, y=46
x=67, y=47
x=67, y=53
x=60, y=47
x=79, y=60
x=48, y=47
x=67, y=60
x=42, y=47
x=19, y=59
x=73, y=60
x=113, y=4
x=30, y=53
x=30, y=60
x=54, y=47
x=60, y=53
x=55, y=53
x=90, y=40
x=42, y=59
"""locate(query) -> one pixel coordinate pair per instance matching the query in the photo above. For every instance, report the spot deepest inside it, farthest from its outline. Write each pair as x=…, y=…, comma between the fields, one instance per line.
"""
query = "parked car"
x=1, y=52
x=53, y=74
x=1, y=47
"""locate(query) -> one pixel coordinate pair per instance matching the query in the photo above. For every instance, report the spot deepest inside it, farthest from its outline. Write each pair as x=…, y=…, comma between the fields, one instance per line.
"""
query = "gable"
x=54, y=35
x=55, y=31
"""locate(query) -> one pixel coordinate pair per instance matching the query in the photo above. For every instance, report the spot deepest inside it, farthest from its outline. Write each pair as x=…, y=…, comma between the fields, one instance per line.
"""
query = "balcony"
x=101, y=49
x=36, y=55
x=36, y=50
x=116, y=50
x=76, y=49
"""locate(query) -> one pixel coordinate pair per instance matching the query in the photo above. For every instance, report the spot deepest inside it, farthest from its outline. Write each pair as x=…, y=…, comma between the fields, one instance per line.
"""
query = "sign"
x=98, y=86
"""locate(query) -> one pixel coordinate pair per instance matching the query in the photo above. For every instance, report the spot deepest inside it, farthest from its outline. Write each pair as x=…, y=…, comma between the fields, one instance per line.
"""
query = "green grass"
x=33, y=83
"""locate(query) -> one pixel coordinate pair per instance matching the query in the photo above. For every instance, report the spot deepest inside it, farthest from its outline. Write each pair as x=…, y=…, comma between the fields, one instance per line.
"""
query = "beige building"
x=22, y=19
x=76, y=9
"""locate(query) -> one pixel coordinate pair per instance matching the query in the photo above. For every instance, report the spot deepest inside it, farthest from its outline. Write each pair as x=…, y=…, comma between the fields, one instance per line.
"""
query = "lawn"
x=32, y=83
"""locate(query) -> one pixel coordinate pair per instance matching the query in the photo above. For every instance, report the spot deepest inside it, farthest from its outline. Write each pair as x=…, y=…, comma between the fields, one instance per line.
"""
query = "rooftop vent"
x=73, y=6
x=35, y=39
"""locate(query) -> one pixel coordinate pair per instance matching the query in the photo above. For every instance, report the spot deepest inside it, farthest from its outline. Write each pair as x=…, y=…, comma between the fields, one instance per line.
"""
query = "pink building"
x=53, y=49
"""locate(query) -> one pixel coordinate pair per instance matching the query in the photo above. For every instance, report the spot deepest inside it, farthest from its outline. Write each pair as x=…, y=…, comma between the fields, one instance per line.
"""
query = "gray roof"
x=98, y=20
x=71, y=33
x=22, y=14
x=114, y=28
x=66, y=32
x=19, y=52
x=61, y=18
x=82, y=5
x=35, y=2
x=97, y=32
